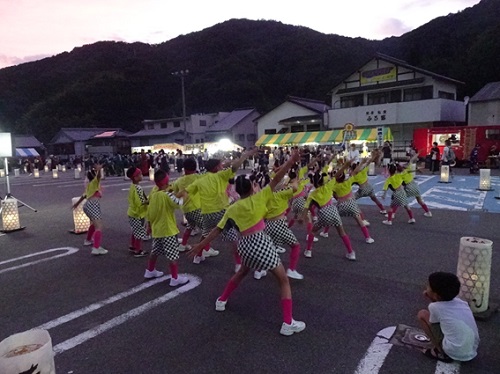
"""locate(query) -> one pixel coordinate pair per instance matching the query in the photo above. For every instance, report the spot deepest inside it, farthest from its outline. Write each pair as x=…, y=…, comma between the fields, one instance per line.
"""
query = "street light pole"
x=182, y=74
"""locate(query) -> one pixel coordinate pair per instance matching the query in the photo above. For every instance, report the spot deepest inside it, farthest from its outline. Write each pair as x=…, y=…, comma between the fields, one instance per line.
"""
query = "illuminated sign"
x=377, y=75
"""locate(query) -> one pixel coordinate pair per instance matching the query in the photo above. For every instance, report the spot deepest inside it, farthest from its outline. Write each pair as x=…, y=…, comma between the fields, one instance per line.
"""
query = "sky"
x=34, y=29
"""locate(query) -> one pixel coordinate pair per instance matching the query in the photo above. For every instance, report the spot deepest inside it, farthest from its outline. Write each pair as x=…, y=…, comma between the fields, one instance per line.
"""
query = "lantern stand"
x=485, y=180
x=80, y=220
x=9, y=195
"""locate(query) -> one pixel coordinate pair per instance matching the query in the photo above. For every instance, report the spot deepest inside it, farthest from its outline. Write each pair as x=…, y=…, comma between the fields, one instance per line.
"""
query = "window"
x=446, y=95
x=493, y=134
x=378, y=98
x=177, y=124
x=203, y=122
x=297, y=128
x=163, y=125
x=151, y=126
x=395, y=96
x=269, y=131
x=351, y=101
x=251, y=137
x=241, y=137
x=418, y=93
x=313, y=127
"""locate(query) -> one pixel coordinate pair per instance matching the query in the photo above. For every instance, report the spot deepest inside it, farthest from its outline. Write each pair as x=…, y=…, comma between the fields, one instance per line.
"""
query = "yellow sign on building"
x=378, y=75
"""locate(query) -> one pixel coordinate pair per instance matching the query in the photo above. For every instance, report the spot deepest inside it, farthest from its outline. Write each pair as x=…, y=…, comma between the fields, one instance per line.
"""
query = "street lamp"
x=182, y=74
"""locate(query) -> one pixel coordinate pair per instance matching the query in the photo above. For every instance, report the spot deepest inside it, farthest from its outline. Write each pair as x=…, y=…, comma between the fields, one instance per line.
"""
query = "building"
x=238, y=126
x=389, y=93
x=27, y=146
x=109, y=143
x=484, y=106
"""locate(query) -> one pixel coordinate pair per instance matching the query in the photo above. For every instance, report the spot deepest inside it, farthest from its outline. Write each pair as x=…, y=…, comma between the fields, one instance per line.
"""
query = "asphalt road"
x=156, y=329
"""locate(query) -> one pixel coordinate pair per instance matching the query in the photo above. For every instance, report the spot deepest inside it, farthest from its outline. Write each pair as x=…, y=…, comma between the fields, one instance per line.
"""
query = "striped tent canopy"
x=26, y=152
x=321, y=137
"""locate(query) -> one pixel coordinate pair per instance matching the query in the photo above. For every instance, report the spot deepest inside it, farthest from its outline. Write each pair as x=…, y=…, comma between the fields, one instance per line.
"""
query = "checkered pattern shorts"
x=328, y=216
x=348, y=208
x=138, y=226
x=258, y=252
x=167, y=246
x=412, y=189
x=194, y=219
x=92, y=208
x=365, y=190
x=210, y=221
x=280, y=233
x=298, y=205
x=399, y=198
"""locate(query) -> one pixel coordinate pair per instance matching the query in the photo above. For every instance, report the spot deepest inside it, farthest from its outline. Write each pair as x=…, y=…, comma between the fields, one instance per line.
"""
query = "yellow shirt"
x=93, y=187
x=247, y=212
x=343, y=189
x=395, y=180
x=302, y=172
x=212, y=190
x=137, y=200
x=361, y=177
x=322, y=194
x=407, y=175
x=193, y=201
x=279, y=204
x=160, y=214
x=300, y=187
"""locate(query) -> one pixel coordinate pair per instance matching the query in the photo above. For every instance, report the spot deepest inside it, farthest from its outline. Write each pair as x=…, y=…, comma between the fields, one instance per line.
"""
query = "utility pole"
x=182, y=74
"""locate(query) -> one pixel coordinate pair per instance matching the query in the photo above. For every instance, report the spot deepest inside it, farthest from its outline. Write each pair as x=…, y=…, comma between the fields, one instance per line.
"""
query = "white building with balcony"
x=389, y=93
x=484, y=106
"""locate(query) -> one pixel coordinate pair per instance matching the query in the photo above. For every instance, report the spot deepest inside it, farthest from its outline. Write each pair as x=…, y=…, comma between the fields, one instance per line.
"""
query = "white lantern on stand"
x=2, y=173
x=10, y=215
x=46, y=168
x=445, y=174
x=55, y=173
x=16, y=173
x=63, y=168
x=80, y=219
x=151, y=174
x=371, y=168
x=36, y=173
x=103, y=174
x=77, y=174
x=485, y=180
x=79, y=167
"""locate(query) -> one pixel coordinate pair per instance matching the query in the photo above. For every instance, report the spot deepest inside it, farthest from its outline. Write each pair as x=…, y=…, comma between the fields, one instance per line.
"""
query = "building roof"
x=111, y=134
x=299, y=119
x=26, y=141
x=491, y=91
x=315, y=105
x=231, y=120
x=154, y=132
x=79, y=134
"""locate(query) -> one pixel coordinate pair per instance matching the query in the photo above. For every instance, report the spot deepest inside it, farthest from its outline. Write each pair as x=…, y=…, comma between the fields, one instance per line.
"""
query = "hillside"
x=234, y=64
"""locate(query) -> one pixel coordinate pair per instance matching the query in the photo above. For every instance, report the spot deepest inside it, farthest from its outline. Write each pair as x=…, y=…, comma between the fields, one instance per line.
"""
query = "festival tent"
x=26, y=152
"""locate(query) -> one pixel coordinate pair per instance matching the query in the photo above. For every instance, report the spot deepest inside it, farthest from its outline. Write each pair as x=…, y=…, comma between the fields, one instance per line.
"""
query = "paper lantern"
x=473, y=270
x=55, y=173
x=46, y=168
x=445, y=174
x=10, y=214
x=77, y=174
x=80, y=219
x=371, y=168
x=151, y=174
x=36, y=173
x=16, y=173
x=79, y=167
x=485, y=180
x=103, y=174
x=2, y=172
x=63, y=168
x=59, y=167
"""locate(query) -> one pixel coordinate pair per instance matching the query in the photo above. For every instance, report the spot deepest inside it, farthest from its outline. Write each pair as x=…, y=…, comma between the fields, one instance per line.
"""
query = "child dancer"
x=191, y=208
x=255, y=247
x=137, y=209
x=92, y=208
x=162, y=205
x=328, y=214
x=398, y=198
x=365, y=188
x=411, y=188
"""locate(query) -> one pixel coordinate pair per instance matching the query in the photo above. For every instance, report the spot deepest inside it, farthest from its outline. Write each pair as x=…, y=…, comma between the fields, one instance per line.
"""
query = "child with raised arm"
x=398, y=198
x=448, y=321
x=137, y=209
x=255, y=247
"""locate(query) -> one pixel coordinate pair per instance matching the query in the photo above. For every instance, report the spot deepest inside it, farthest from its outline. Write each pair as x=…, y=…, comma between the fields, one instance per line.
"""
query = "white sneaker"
x=153, y=274
x=308, y=254
x=99, y=251
x=351, y=256
x=220, y=306
x=237, y=268
x=198, y=259
x=280, y=249
x=290, y=329
x=323, y=234
x=183, y=248
x=259, y=274
x=427, y=214
x=366, y=223
x=315, y=239
x=88, y=242
x=369, y=240
x=179, y=240
x=177, y=282
x=383, y=211
x=412, y=220
x=393, y=215
x=210, y=253
x=315, y=218
x=294, y=274
x=195, y=232
x=387, y=222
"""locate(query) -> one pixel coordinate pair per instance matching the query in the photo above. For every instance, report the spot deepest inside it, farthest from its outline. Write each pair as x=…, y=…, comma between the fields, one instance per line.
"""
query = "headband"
x=136, y=172
x=163, y=182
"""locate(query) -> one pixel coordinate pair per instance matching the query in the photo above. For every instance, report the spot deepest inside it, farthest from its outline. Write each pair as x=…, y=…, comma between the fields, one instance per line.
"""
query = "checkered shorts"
x=348, y=208
x=194, y=219
x=328, y=216
x=167, y=246
x=210, y=221
x=92, y=208
x=298, y=205
x=412, y=189
x=138, y=226
x=365, y=190
x=258, y=252
x=279, y=232
x=399, y=198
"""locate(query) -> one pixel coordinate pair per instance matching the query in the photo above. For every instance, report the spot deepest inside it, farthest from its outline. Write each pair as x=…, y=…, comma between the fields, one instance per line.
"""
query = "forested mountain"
x=234, y=64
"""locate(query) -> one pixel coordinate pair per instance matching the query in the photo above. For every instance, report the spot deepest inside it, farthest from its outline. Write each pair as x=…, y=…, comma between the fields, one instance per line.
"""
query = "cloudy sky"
x=34, y=29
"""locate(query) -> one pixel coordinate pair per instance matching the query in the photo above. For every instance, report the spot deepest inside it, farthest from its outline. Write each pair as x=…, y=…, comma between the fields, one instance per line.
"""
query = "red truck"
x=463, y=140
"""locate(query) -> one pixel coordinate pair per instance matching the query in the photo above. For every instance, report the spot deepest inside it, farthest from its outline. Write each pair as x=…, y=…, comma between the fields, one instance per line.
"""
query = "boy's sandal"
x=435, y=354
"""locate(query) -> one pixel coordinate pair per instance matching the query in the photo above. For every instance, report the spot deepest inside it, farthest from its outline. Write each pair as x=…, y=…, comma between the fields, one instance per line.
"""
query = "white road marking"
x=194, y=281
x=374, y=358
x=68, y=251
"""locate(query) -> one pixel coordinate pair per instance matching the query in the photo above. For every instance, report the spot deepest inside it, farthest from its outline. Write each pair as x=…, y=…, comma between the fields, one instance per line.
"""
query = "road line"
x=447, y=368
x=375, y=356
x=194, y=281
x=69, y=251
